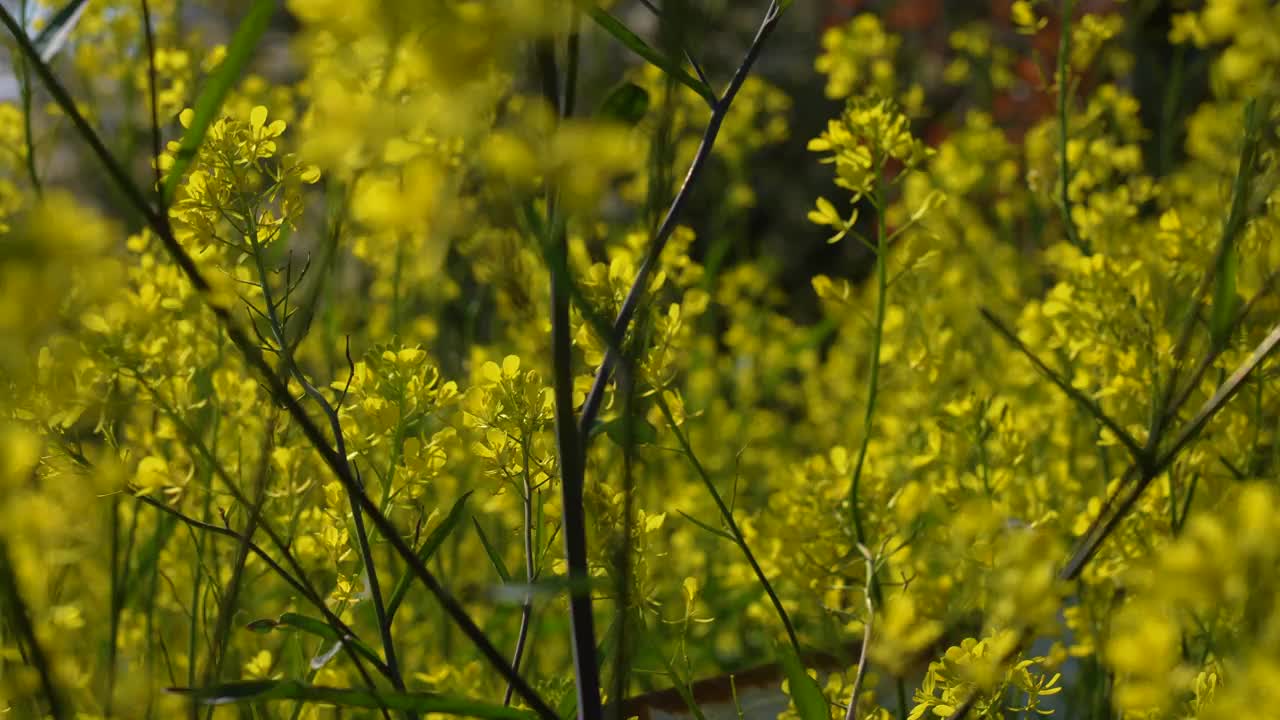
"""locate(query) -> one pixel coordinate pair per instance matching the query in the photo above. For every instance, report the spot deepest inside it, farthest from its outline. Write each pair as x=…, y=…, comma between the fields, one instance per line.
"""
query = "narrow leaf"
x=1227, y=261
x=414, y=702
x=518, y=593
x=315, y=627
x=217, y=85
x=148, y=556
x=433, y=542
x=806, y=695
x=1225, y=300
x=636, y=44
x=627, y=104
x=489, y=550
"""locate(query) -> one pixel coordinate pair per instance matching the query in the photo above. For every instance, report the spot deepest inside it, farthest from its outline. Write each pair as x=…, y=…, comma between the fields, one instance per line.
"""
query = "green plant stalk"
x=152, y=589
x=114, y=591
x=396, y=273
x=152, y=83
x=732, y=524
x=873, y=377
x=570, y=445
x=530, y=574
x=1169, y=109
x=851, y=713
x=362, y=535
x=226, y=609
x=20, y=621
x=720, y=109
x=119, y=581
x=197, y=574
x=1064, y=102
x=620, y=684
x=873, y=392
x=1232, y=226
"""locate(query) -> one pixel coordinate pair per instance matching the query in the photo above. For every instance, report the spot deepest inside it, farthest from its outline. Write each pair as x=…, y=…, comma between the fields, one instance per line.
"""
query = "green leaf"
x=806, y=694
x=148, y=556
x=489, y=550
x=627, y=104
x=1227, y=261
x=218, y=84
x=312, y=626
x=636, y=44
x=1225, y=299
x=54, y=35
x=263, y=626
x=516, y=593
x=414, y=702
x=429, y=547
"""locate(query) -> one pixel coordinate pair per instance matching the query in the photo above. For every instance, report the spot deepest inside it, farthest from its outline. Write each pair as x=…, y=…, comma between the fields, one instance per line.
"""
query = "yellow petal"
x=510, y=365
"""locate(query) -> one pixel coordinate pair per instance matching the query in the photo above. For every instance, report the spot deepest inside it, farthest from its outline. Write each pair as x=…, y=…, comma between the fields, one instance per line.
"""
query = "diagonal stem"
x=591, y=408
x=335, y=427
x=18, y=617
x=725, y=513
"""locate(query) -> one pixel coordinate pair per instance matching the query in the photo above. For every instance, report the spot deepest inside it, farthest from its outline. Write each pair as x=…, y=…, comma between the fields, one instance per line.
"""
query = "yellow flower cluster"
x=1061, y=337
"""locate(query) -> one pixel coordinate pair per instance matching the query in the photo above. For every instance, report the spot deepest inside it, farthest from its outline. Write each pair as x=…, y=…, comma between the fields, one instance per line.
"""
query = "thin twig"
x=1268, y=284
x=622, y=556
x=568, y=442
x=591, y=408
x=155, y=111
x=335, y=427
x=738, y=537
x=526, y=609
x=851, y=713
x=1064, y=98
x=226, y=609
x=1131, y=444
x=20, y=621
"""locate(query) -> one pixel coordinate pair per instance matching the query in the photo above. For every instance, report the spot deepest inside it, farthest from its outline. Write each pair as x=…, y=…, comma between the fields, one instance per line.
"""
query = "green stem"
x=362, y=535
x=727, y=515
x=20, y=620
x=873, y=380
x=873, y=394
x=530, y=574
x=568, y=441
x=1064, y=101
